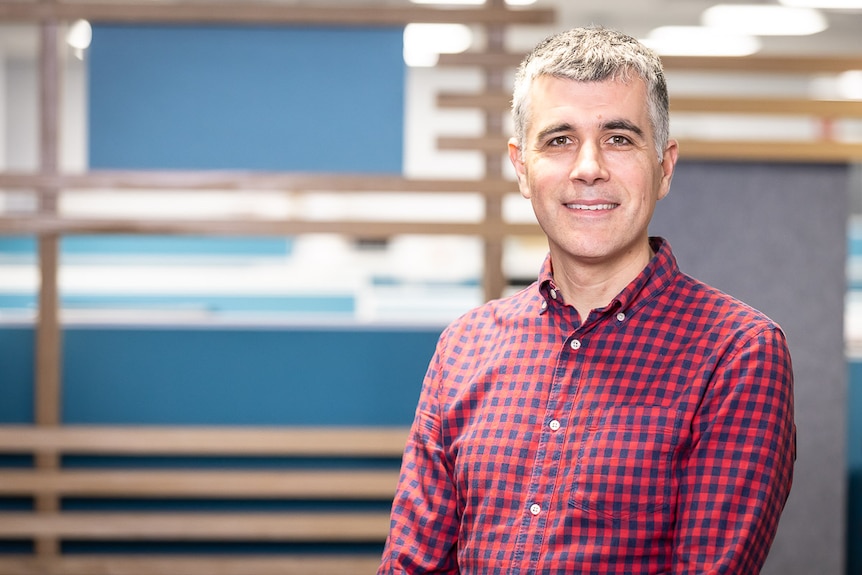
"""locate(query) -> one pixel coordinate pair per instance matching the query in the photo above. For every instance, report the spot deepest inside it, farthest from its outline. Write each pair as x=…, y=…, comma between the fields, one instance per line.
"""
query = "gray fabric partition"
x=774, y=235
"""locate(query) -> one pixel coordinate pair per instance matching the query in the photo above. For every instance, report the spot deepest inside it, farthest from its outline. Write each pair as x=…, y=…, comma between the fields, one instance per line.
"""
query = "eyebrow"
x=555, y=129
x=623, y=125
x=617, y=124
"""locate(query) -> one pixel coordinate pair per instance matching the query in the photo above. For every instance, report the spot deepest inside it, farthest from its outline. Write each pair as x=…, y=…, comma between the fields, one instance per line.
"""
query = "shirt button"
x=621, y=316
x=535, y=509
x=544, y=304
x=575, y=344
x=553, y=294
x=554, y=425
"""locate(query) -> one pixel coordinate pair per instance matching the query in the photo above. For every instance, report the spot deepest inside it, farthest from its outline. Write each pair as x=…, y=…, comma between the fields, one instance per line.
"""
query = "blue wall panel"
x=265, y=377
x=234, y=376
x=16, y=374
x=208, y=97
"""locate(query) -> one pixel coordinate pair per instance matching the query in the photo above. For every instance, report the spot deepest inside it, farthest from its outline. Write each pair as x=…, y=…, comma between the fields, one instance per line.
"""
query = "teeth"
x=593, y=208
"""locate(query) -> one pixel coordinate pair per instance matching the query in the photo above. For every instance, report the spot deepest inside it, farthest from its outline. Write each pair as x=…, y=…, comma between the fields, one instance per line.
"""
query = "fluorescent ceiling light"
x=80, y=35
x=700, y=41
x=824, y=4
x=850, y=84
x=764, y=19
x=423, y=43
x=472, y=2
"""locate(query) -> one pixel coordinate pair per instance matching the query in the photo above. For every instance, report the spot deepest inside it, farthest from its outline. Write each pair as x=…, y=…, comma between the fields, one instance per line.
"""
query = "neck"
x=593, y=285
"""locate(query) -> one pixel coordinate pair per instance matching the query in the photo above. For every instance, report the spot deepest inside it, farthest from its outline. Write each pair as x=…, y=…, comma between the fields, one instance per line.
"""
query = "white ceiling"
x=638, y=17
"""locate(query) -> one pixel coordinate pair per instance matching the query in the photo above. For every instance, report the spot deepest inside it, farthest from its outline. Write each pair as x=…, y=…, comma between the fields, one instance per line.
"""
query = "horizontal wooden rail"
x=143, y=483
x=831, y=109
x=772, y=151
x=227, y=180
x=301, y=564
x=357, y=526
x=48, y=224
x=330, y=487
x=194, y=440
x=742, y=150
x=268, y=13
x=789, y=64
x=786, y=64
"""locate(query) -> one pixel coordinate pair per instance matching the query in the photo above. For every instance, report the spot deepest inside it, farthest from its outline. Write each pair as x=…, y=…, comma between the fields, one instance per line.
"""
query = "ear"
x=668, y=164
x=517, y=159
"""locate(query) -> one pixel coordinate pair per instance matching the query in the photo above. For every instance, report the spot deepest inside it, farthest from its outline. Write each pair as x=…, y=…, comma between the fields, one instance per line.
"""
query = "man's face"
x=589, y=166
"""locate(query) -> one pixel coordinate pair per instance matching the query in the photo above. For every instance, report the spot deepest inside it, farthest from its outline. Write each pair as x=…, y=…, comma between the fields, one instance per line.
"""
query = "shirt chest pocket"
x=624, y=465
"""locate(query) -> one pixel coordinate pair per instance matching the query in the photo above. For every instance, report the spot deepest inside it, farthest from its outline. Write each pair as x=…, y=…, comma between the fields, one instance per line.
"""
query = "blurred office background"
x=178, y=324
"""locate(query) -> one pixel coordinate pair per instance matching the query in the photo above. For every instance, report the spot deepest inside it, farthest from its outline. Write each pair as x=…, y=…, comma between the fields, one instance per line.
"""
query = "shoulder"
x=494, y=316
x=715, y=313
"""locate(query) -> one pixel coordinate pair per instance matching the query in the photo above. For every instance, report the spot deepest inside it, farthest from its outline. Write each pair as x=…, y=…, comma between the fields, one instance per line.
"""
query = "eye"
x=618, y=140
x=559, y=141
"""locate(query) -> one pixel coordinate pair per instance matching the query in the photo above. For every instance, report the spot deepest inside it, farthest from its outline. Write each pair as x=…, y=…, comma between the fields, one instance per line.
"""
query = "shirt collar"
x=652, y=280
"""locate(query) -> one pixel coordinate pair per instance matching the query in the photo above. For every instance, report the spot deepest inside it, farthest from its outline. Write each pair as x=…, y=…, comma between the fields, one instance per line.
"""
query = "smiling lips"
x=591, y=207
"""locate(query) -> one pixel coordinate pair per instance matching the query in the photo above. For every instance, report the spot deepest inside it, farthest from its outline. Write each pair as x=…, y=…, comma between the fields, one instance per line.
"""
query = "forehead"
x=555, y=100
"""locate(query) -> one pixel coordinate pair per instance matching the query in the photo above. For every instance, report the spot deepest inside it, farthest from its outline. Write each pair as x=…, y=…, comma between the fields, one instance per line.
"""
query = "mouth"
x=592, y=207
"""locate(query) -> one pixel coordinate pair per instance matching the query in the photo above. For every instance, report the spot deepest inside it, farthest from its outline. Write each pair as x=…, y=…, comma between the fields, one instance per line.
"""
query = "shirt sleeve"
x=424, y=521
x=737, y=477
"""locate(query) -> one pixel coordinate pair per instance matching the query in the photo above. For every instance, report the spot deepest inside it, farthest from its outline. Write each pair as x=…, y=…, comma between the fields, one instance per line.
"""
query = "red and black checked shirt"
x=656, y=437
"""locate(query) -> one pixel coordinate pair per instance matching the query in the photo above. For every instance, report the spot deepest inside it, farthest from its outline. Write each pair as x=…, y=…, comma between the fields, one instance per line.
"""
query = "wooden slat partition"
x=786, y=64
x=761, y=106
x=314, y=476
x=320, y=527
x=180, y=565
x=820, y=149
x=210, y=441
x=269, y=13
x=362, y=229
x=49, y=483
x=749, y=150
x=355, y=484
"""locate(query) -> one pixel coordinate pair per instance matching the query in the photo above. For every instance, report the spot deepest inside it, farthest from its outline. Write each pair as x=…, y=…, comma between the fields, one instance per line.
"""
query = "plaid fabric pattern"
x=655, y=437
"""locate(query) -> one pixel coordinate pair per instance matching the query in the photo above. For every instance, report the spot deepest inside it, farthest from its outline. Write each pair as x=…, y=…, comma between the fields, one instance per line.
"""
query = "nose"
x=589, y=166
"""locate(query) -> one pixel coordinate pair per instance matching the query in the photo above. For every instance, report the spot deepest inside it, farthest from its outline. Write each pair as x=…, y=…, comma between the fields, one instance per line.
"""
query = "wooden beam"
x=206, y=441
x=48, y=225
x=480, y=60
x=47, y=389
x=485, y=144
x=328, y=484
x=789, y=64
x=348, y=526
x=230, y=180
x=831, y=109
x=777, y=151
x=500, y=102
x=48, y=331
x=493, y=276
x=178, y=564
x=47, y=386
x=266, y=13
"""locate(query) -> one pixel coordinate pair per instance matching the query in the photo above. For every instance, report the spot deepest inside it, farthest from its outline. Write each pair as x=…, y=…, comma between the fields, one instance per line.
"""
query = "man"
x=617, y=416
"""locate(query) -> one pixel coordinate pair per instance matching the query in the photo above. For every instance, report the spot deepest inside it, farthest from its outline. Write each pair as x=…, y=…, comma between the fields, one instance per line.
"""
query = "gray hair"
x=593, y=54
